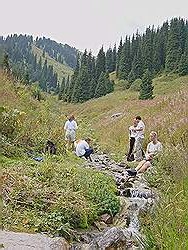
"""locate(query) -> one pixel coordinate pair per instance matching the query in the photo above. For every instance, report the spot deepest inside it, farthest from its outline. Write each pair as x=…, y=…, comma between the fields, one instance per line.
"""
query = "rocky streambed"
x=120, y=232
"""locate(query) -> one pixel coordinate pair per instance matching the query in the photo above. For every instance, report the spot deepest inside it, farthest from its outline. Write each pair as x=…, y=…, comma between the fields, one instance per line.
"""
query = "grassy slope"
x=61, y=69
x=167, y=227
x=161, y=114
x=50, y=196
x=166, y=113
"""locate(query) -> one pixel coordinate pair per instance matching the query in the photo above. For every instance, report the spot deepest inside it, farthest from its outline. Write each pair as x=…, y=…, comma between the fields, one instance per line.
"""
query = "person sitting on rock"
x=83, y=148
x=153, y=149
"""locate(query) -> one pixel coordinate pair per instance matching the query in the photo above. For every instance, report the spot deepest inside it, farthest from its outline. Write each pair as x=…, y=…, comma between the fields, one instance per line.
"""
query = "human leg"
x=88, y=152
x=140, y=164
x=138, y=149
x=130, y=156
x=144, y=167
x=72, y=138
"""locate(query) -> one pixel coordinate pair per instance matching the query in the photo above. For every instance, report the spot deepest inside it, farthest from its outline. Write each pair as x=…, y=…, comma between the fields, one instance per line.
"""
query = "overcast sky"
x=86, y=23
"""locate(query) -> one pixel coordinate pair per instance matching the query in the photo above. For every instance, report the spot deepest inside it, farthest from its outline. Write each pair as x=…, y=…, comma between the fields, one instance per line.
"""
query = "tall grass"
x=166, y=228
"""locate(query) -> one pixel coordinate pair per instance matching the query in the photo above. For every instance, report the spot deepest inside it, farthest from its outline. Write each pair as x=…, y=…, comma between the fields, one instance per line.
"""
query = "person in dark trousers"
x=83, y=148
x=132, y=136
x=138, y=151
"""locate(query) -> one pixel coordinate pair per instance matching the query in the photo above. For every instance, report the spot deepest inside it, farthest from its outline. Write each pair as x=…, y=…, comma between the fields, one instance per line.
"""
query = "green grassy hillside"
x=61, y=69
x=34, y=122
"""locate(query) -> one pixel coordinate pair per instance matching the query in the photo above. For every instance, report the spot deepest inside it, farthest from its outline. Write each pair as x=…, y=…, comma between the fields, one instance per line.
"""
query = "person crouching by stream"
x=70, y=131
x=153, y=149
x=132, y=136
x=83, y=148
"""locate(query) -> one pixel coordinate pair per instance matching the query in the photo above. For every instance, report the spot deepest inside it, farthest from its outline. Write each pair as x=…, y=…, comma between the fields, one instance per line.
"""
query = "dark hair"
x=138, y=118
x=88, y=139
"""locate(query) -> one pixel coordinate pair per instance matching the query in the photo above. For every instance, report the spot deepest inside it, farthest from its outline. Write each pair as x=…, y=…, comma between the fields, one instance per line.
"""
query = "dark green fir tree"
x=183, y=65
x=146, y=88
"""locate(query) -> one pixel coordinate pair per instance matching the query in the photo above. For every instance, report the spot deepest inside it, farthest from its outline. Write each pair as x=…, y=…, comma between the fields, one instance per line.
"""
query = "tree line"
x=157, y=50
x=90, y=79
x=61, y=53
x=23, y=63
x=142, y=56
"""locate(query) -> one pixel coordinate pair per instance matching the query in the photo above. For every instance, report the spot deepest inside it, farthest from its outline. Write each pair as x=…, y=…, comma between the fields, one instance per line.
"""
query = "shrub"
x=135, y=86
x=55, y=196
x=10, y=121
x=123, y=84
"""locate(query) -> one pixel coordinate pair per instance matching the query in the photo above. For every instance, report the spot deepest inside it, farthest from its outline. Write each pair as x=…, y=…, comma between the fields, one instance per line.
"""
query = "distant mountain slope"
x=31, y=64
x=61, y=69
x=61, y=53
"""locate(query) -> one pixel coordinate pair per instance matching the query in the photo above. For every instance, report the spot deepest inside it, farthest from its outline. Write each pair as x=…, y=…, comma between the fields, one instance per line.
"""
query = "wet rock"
x=127, y=192
x=122, y=186
x=113, y=238
x=12, y=240
x=135, y=198
x=100, y=225
x=128, y=184
x=106, y=218
x=122, y=164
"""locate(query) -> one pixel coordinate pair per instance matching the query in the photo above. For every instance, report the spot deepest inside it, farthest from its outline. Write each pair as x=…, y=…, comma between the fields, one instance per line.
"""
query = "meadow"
x=34, y=122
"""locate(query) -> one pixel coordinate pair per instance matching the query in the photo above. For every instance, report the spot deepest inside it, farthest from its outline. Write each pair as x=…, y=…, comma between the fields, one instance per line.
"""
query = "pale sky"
x=86, y=23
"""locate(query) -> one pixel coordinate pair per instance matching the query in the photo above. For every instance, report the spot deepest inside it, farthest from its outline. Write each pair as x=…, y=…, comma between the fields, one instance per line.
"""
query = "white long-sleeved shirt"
x=154, y=148
x=81, y=147
x=70, y=125
x=132, y=131
x=141, y=125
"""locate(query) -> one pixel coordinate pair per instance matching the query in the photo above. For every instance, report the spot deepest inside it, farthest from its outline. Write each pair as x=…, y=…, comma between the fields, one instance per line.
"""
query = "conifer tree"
x=183, y=65
x=157, y=53
x=5, y=63
x=83, y=85
x=100, y=63
x=125, y=61
x=67, y=88
x=101, y=86
x=26, y=78
x=137, y=66
x=118, y=56
x=92, y=87
x=163, y=42
x=114, y=58
x=147, y=49
x=109, y=60
x=174, y=48
x=146, y=88
x=72, y=85
x=135, y=44
x=61, y=94
x=109, y=84
x=131, y=78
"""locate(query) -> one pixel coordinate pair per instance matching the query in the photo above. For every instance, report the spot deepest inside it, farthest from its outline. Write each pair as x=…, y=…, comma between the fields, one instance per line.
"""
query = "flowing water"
x=135, y=196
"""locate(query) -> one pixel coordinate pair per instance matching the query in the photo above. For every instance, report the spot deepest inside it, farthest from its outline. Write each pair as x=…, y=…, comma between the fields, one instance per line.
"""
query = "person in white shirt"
x=132, y=136
x=70, y=131
x=153, y=149
x=83, y=148
x=138, y=151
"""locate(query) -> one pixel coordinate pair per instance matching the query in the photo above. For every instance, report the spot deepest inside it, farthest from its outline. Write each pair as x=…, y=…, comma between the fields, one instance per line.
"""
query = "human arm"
x=65, y=127
x=75, y=125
